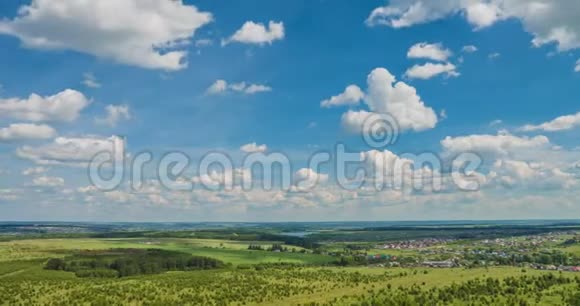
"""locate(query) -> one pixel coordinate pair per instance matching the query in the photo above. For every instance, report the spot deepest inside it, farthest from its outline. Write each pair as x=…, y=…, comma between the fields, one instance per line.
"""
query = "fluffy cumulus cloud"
x=63, y=106
x=221, y=86
x=512, y=162
x=26, y=131
x=148, y=34
x=425, y=50
x=383, y=162
x=254, y=148
x=494, y=145
x=370, y=123
x=430, y=70
x=258, y=33
x=549, y=21
x=434, y=52
x=483, y=15
x=306, y=179
x=386, y=95
x=530, y=163
x=535, y=175
x=577, y=68
x=352, y=95
x=314, y=194
x=115, y=114
x=409, y=175
x=353, y=121
x=527, y=163
x=73, y=151
x=562, y=123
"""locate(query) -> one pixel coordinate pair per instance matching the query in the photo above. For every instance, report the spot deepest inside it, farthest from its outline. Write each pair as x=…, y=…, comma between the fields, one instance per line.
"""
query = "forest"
x=128, y=262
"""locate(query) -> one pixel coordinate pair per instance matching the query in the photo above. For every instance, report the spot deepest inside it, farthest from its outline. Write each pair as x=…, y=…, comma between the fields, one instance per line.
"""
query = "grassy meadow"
x=27, y=283
x=261, y=265
x=234, y=252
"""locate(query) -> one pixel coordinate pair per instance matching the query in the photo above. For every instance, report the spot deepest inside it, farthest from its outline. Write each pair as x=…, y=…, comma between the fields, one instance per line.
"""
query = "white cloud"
x=48, y=181
x=221, y=86
x=253, y=148
x=90, y=80
x=64, y=106
x=469, y=49
x=226, y=178
x=514, y=173
x=434, y=52
x=387, y=96
x=531, y=184
x=239, y=87
x=148, y=34
x=536, y=150
x=562, y=123
x=217, y=87
x=483, y=15
x=398, y=99
x=353, y=121
x=256, y=88
x=26, y=131
x=73, y=151
x=404, y=14
x=577, y=68
x=88, y=189
x=258, y=33
x=549, y=21
x=306, y=179
x=429, y=70
x=352, y=95
x=34, y=171
x=396, y=173
x=494, y=55
x=115, y=113
x=496, y=145
x=382, y=161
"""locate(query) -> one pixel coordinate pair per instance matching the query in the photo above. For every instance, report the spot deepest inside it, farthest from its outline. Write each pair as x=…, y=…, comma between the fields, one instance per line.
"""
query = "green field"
x=234, y=252
x=28, y=283
x=294, y=276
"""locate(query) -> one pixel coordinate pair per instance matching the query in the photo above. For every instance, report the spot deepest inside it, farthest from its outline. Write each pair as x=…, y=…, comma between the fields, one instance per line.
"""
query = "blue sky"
x=493, y=101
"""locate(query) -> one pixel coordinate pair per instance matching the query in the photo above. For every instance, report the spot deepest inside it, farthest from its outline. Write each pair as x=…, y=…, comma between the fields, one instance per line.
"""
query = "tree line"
x=132, y=262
